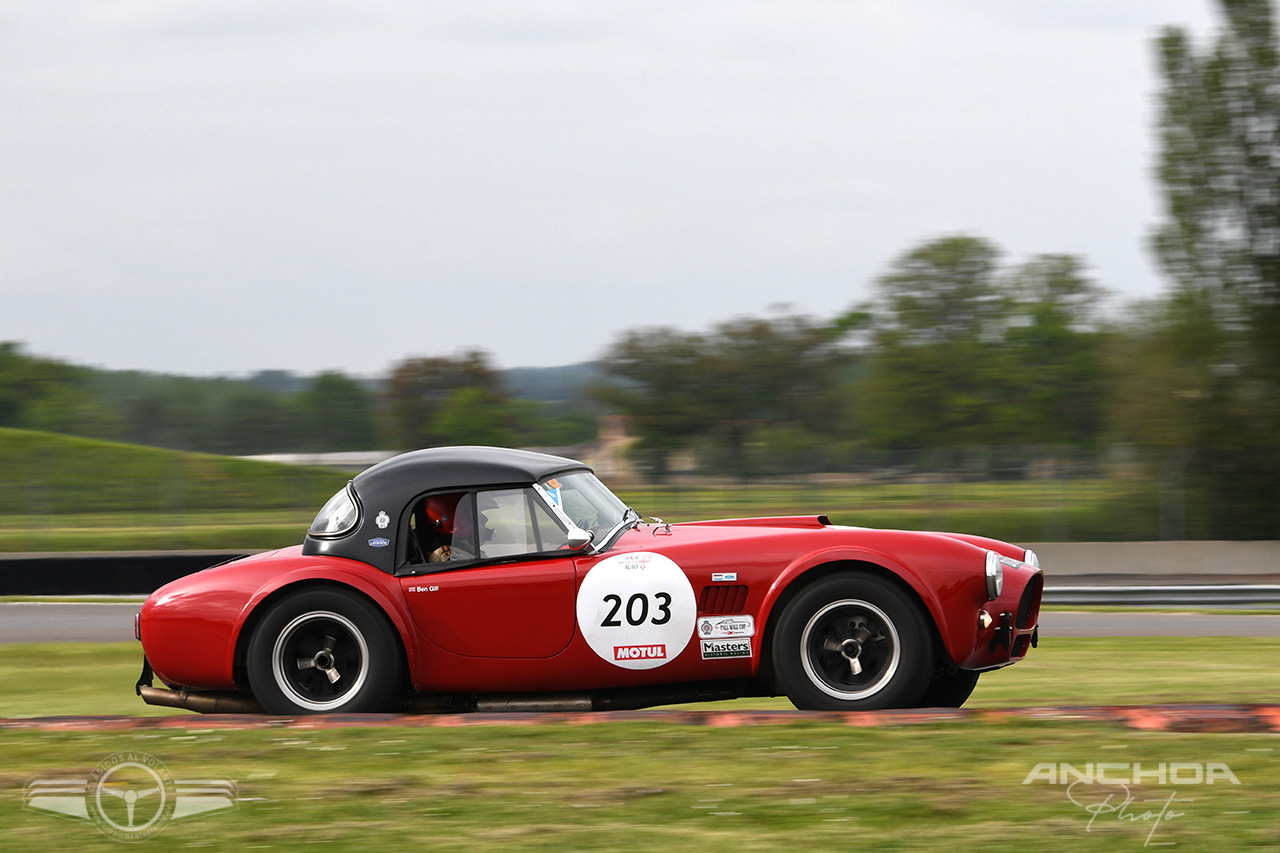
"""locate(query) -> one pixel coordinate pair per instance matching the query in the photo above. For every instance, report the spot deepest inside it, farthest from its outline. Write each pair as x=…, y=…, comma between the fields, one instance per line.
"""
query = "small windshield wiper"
x=630, y=519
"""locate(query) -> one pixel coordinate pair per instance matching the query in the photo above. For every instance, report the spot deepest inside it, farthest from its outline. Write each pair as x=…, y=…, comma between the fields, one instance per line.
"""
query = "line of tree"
x=956, y=351
x=423, y=402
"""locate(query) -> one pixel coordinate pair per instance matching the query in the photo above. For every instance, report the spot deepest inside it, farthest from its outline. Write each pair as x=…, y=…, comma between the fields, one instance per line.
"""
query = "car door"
x=510, y=594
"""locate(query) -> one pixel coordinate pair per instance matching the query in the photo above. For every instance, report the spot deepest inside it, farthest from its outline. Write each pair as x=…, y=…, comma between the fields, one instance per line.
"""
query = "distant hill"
x=552, y=384
x=44, y=473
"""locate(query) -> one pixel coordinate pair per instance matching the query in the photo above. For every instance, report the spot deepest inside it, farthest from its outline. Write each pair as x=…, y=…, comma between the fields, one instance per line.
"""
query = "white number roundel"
x=636, y=610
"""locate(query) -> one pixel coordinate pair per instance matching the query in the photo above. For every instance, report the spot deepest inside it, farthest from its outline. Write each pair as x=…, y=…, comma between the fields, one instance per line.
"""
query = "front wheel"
x=323, y=651
x=852, y=642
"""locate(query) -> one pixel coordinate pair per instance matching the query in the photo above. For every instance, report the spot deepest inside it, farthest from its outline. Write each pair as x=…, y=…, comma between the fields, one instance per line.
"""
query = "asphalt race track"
x=81, y=622
x=1165, y=624
x=72, y=622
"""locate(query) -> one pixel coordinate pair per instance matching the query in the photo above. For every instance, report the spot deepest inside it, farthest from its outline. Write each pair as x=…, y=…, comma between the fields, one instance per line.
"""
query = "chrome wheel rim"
x=850, y=649
x=320, y=660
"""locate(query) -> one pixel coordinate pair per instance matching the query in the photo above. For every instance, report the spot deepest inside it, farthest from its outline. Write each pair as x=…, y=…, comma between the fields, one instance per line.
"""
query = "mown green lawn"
x=644, y=785
x=656, y=786
x=44, y=679
x=214, y=530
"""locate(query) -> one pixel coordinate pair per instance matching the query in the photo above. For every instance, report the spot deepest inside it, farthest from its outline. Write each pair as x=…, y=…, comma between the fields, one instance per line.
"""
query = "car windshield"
x=588, y=503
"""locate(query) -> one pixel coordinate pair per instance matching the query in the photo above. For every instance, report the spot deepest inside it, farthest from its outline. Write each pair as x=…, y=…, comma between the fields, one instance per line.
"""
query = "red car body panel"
x=527, y=598
x=511, y=626
x=190, y=627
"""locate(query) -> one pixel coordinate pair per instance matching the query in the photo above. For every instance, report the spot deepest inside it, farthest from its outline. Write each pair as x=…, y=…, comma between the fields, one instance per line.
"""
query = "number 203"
x=637, y=610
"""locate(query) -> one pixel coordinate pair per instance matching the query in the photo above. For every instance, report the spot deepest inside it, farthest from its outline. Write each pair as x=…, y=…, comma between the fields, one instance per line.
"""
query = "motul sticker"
x=639, y=652
x=717, y=627
x=712, y=649
x=637, y=610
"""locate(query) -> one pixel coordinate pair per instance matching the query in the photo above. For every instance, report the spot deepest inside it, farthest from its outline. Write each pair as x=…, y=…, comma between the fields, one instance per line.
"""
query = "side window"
x=516, y=521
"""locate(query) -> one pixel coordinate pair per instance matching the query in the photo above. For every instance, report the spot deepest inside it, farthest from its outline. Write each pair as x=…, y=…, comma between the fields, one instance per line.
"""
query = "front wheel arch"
x=924, y=642
x=766, y=674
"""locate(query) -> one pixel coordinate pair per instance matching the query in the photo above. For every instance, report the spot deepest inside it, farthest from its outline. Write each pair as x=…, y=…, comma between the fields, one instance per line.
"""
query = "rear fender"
x=383, y=590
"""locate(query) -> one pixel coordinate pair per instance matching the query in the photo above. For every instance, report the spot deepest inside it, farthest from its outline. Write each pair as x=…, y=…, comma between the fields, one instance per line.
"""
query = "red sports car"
x=484, y=578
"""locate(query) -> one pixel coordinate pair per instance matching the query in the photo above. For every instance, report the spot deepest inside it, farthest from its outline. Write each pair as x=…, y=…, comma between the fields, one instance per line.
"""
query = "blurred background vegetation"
x=1151, y=420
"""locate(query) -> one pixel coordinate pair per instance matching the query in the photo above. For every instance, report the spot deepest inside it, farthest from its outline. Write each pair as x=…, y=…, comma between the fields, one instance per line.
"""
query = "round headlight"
x=995, y=575
x=1031, y=558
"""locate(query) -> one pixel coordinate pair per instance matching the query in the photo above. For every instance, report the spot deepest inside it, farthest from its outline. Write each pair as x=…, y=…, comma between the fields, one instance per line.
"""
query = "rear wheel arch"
x=240, y=656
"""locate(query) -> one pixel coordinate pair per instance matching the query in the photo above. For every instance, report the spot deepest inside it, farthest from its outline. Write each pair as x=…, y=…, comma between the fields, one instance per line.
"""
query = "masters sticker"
x=636, y=611
x=712, y=649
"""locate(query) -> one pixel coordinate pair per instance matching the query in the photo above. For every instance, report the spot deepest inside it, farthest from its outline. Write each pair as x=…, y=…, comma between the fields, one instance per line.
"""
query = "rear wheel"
x=851, y=643
x=323, y=651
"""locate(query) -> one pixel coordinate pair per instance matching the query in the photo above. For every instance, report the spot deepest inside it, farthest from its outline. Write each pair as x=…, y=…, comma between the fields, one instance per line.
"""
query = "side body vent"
x=722, y=599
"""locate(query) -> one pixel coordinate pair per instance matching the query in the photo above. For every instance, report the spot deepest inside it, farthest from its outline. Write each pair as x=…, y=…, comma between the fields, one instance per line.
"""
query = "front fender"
x=937, y=598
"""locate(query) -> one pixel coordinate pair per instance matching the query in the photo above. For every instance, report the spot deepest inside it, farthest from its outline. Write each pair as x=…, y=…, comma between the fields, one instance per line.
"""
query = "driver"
x=450, y=533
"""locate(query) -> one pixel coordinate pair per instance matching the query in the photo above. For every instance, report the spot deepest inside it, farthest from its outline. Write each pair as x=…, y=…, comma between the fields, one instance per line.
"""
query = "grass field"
x=647, y=786
x=212, y=530
x=1029, y=511
x=44, y=679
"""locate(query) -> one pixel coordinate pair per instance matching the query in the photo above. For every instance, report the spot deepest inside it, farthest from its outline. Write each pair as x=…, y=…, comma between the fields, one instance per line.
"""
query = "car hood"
x=783, y=535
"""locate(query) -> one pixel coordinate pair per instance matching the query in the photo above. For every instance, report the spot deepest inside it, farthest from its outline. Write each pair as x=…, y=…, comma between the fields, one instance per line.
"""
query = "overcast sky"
x=222, y=186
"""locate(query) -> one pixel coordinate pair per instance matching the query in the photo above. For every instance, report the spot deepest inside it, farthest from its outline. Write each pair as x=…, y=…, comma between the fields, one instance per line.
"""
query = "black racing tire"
x=846, y=618
x=949, y=689
x=324, y=651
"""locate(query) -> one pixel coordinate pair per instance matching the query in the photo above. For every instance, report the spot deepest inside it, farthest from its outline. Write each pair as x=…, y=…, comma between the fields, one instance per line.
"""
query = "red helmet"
x=440, y=510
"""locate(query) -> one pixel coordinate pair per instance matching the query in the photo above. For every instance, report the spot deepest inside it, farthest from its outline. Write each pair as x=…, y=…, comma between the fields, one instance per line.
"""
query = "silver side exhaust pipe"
x=205, y=701
x=533, y=703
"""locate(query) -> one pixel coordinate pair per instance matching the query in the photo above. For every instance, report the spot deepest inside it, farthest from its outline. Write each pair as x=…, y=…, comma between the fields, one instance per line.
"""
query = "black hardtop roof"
x=461, y=467
x=386, y=488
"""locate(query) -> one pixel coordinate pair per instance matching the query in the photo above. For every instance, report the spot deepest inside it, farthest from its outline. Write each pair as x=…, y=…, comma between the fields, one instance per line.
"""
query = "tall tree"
x=943, y=291
x=1055, y=349
x=419, y=389
x=932, y=380
x=657, y=382
x=1220, y=169
x=338, y=412
x=44, y=394
x=968, y=353
x=725, y=390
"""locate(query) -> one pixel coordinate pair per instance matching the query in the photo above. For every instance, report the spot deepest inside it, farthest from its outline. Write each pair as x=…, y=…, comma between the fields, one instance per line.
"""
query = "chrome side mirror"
x=579, y=538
